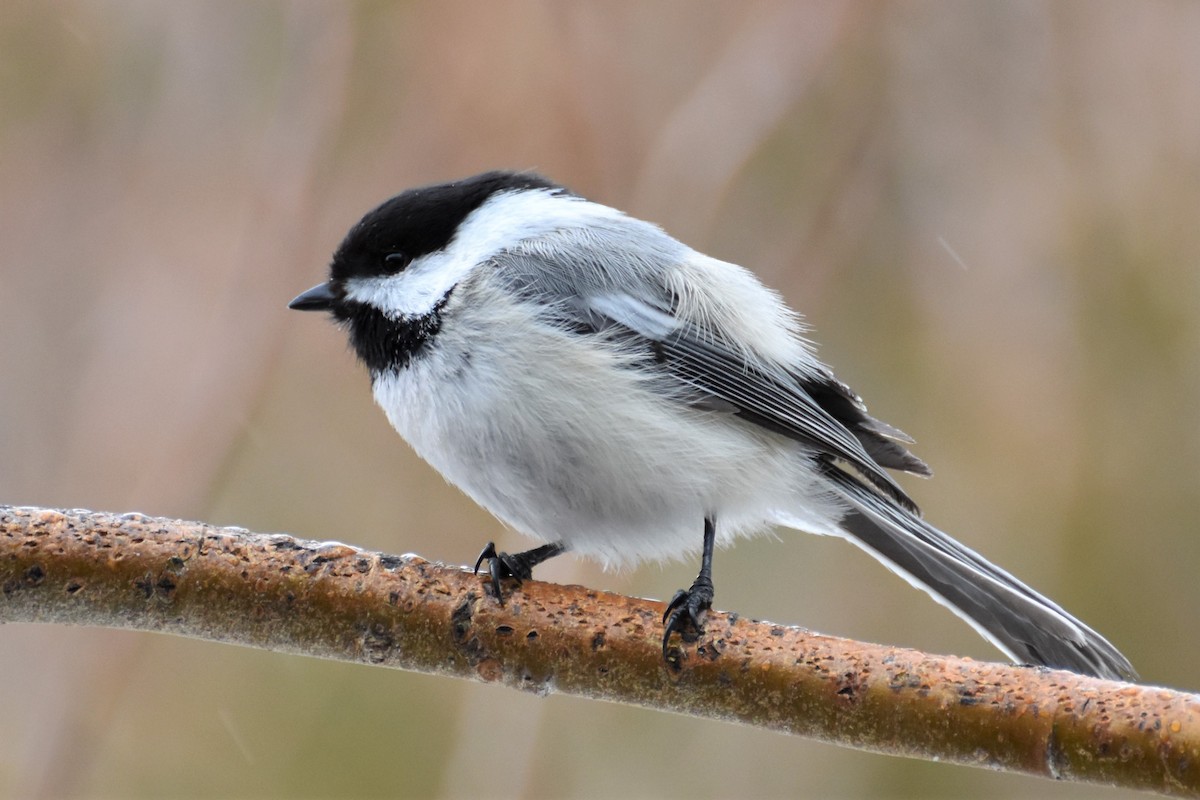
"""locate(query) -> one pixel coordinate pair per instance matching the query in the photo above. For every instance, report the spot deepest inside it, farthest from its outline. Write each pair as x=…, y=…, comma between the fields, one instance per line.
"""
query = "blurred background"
x=989, y=212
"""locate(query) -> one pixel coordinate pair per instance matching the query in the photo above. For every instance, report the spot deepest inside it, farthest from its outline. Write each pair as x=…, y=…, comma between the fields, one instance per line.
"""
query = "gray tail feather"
x=1028, y=627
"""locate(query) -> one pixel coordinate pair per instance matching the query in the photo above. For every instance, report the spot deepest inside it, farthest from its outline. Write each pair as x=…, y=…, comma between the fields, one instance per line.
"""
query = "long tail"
x=1029, y=628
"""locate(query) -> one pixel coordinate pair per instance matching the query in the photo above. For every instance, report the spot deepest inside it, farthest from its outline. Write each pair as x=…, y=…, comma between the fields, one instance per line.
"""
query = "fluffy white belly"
x=564, y=443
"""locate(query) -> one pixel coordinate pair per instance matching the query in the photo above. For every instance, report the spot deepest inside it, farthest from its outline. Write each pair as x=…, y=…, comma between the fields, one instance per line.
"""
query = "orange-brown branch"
x=336, y=601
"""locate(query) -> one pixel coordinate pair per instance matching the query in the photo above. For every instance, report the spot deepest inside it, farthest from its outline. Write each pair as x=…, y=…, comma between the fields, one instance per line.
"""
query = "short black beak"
x=318, y=298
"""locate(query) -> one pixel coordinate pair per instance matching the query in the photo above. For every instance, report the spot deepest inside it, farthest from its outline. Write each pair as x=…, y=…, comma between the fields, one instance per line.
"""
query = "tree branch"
x=336, y=601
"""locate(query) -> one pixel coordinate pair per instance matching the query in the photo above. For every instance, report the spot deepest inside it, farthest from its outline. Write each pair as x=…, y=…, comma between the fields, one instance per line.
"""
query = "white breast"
x=560, y=441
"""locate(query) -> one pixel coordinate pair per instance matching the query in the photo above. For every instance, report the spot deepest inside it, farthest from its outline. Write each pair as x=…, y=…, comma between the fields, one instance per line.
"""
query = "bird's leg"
x=685, y=612
x=514, y=565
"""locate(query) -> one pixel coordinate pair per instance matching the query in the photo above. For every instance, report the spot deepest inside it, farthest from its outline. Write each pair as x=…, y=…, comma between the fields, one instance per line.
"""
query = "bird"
x=604, y=389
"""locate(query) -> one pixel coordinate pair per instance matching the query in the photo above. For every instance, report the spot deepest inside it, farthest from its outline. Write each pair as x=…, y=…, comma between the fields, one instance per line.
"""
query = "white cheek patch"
x=415, y=291
x=501, y=223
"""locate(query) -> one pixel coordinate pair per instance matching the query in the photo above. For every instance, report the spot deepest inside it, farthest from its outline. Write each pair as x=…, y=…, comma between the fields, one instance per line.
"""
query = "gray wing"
x=820, y=412
x=772, y=397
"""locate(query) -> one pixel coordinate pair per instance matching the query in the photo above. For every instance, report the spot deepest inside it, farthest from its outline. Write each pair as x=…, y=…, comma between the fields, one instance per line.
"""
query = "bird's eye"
x=395, y=262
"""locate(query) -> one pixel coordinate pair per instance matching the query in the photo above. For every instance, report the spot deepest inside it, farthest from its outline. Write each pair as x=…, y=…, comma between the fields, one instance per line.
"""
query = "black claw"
x=495, y=571
x=679, y=597
x=489, y=554
x=488, y=551
x=686, y=611
x=501, y=566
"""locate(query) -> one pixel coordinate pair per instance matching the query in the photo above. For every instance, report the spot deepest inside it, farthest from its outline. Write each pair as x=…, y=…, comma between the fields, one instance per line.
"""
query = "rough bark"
x=336, y=601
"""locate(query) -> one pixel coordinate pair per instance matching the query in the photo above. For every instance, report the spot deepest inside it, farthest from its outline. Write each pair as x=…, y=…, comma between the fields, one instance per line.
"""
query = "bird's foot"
x=518, y=566
x=686, y=611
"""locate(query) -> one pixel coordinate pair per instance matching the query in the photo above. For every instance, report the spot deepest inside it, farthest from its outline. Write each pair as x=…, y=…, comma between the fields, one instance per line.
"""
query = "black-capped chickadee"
x=605, y=389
